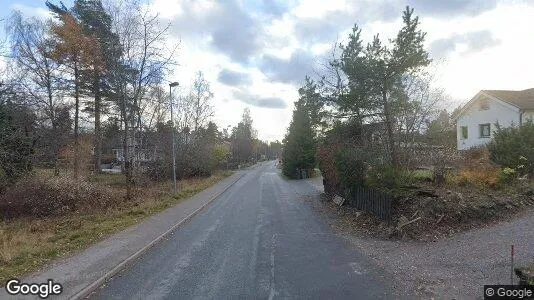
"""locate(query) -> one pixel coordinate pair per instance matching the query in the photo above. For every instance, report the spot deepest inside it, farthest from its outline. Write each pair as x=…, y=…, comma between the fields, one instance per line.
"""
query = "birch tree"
x=143, y=63
x=41, y=77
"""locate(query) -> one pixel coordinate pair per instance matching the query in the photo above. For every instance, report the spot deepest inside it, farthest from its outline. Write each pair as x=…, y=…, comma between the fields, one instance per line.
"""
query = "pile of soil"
x=429, y=212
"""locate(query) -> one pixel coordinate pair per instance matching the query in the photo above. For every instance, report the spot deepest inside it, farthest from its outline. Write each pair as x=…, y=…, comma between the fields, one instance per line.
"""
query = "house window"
x=485, y=130
x=464, y=132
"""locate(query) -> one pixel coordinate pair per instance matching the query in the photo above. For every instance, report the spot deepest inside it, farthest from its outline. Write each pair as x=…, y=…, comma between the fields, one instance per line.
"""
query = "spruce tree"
x=299, y=143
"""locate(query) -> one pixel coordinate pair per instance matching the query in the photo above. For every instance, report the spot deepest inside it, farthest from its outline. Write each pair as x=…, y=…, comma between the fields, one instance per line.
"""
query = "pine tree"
x=376, y=75
x=95, y=20
x=77, y=51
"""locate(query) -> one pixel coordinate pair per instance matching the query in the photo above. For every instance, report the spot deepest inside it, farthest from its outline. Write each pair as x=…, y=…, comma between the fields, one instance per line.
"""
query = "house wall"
x=473, y=116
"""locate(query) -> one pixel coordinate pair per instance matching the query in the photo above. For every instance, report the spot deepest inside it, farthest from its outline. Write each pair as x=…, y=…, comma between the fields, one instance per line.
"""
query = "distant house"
x=138, y=149
x=476, y=121
x=138, y=155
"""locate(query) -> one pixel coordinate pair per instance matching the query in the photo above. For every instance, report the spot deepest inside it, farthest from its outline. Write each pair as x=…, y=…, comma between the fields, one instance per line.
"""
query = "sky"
x=256, y=54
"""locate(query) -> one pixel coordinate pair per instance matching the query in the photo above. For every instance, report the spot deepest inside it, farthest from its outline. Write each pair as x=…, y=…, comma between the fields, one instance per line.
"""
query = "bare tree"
x=145, y=60
x=195, y=109
x=155, y=108
x=32, y=50
x=423, y=102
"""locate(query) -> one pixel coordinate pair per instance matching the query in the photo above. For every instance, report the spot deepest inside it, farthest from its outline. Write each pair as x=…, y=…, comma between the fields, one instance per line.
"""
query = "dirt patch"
x=440, y=212
x=455, y=266
x=428, y=213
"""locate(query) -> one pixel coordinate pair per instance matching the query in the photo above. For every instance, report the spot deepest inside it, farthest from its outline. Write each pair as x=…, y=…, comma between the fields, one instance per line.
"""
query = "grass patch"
x=422, y=175
x=27, y=244
x=111, y=180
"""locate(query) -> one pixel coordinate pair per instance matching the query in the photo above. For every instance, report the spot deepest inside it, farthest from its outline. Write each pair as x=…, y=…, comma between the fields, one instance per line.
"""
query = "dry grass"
x=489, y=177
x=27, y=244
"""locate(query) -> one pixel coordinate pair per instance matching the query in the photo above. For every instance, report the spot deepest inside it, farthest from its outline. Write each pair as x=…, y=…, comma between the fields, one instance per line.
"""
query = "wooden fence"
x=371, y=201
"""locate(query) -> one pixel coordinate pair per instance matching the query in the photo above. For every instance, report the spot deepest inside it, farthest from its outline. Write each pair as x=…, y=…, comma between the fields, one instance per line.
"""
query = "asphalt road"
x=259, y=240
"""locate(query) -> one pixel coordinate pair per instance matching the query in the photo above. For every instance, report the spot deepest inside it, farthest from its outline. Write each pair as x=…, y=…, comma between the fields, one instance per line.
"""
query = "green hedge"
x=513, y=147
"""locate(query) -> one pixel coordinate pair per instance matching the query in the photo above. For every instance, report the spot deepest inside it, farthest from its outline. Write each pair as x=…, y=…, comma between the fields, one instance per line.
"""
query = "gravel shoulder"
x=455, y=267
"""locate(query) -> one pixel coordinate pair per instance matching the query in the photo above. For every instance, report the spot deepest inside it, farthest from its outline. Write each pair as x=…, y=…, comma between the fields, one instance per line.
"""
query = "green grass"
x=27, y=244
x=421, y=175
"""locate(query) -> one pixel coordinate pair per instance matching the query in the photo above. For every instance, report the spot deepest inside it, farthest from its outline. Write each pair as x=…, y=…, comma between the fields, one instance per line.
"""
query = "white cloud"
x=317, y=9
x=32, y=11
x=275, y=43
x=501, y=66
x=503, y=51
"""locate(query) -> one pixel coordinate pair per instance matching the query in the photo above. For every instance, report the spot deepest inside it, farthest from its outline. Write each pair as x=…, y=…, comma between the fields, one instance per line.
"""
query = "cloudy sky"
x=256, y=53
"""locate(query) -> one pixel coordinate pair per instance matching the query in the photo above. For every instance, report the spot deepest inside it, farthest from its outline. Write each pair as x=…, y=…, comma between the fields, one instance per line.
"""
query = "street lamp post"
x=171, y=85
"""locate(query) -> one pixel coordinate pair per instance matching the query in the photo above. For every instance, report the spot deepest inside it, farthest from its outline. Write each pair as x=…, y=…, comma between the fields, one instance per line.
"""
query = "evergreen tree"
x=78, y=52
x=312, y=100
x=377, y=73
x=96, y=21
x=299, y=143
x=243, y=138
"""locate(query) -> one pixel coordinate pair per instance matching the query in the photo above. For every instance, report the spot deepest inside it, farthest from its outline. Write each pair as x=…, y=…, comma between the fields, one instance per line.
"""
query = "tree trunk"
x=97, y=142
x=55, y=141
x=55, y=148
x=76, y=122
x=127, y=162
x=125, y=151
x=389, y=128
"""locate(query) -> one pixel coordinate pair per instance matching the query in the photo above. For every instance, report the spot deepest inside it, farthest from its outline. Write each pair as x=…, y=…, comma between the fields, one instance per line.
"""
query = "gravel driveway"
x=455, y=267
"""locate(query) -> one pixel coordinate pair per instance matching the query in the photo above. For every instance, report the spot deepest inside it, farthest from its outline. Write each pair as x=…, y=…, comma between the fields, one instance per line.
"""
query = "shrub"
x=221, y=154
x=195, y=160
x=513, y=147
x=476, y=153
x=508, y=175
x=38, y=197
x=481, y=178
x=351, y=167
x=16, y=143
x=193, y=163
x=342, y=136
x=159, y=170
x=422, y=175
x=389, y=178
x=325, y=160
x=476, y=158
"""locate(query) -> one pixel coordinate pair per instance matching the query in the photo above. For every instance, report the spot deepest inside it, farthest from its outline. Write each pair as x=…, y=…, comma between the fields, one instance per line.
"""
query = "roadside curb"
x=83, y=293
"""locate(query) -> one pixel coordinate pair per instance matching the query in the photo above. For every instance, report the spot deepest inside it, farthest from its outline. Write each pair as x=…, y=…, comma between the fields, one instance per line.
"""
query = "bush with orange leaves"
x=488, y=177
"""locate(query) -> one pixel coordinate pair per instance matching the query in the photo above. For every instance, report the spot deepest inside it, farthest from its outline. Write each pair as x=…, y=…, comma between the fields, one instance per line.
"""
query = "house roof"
x=522, y=99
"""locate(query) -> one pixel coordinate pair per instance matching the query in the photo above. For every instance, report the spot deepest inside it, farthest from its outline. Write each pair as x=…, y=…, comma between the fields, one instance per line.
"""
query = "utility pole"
x=171, y=85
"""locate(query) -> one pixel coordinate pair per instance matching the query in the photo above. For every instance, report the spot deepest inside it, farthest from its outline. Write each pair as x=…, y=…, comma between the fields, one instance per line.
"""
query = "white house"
x=476, y=121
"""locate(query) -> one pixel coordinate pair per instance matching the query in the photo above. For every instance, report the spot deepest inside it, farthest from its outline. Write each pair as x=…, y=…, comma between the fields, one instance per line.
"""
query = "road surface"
x=259, y=240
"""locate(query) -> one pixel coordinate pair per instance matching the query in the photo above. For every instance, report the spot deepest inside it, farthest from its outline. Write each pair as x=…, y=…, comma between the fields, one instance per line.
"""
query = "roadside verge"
x=84, y=272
